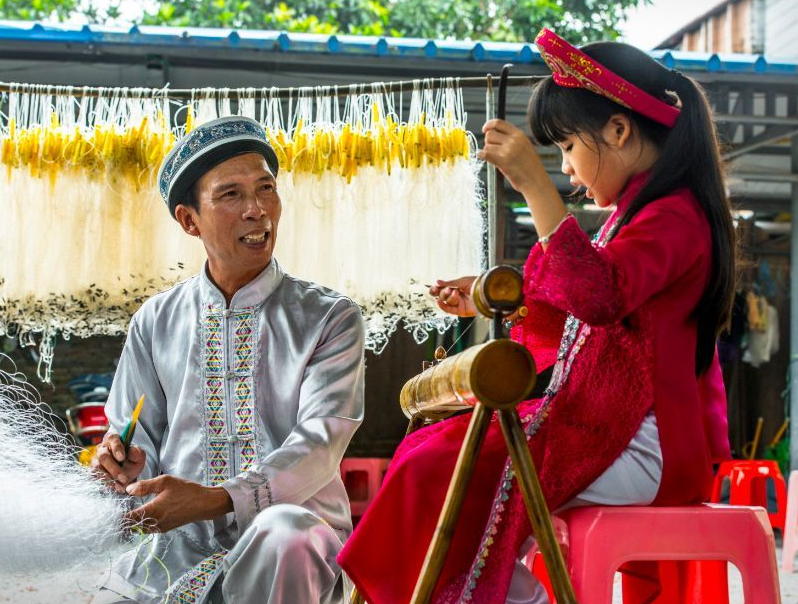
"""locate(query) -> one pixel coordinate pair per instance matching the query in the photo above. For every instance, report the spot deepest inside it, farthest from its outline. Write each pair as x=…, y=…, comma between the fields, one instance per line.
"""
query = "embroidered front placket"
x=230, y=343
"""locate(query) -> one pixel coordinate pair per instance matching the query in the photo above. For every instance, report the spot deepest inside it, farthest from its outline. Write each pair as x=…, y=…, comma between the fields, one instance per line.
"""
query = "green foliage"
x=364, y=17
x=93, y=11
x=781, y=454
x=509, y=20
x=501, y=20
x=35, y=10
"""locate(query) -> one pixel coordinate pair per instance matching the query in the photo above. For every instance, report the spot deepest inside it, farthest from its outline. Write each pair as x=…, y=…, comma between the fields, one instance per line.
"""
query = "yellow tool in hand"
x=127, y=433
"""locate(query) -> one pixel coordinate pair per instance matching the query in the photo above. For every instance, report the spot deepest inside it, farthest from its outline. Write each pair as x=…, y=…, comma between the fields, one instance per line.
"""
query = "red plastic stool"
x=87, y=422
x=791, y=525
x=362, y=478
x=603, y=539
x=748, y=486
x=661, y=582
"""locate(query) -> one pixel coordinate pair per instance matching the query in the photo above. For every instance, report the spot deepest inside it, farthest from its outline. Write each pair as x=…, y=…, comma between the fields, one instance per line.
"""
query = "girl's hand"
x=511, y=151
x=454, y=297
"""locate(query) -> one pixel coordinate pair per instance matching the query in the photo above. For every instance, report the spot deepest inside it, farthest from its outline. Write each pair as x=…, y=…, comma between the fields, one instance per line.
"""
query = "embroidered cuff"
x=251, y=494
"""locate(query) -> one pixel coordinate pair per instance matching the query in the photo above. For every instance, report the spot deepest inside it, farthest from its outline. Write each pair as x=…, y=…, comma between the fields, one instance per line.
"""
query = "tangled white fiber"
x=53, y=514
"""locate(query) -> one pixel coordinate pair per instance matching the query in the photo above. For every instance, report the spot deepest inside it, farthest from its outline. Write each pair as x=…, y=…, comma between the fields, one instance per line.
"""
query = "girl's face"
x=601, y=168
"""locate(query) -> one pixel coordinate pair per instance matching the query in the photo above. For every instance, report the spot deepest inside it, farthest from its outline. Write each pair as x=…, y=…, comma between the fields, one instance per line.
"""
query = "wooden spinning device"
x=490, y=377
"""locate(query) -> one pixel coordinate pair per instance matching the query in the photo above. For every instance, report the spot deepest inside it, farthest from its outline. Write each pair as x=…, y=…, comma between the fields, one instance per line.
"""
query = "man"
x=254, y=386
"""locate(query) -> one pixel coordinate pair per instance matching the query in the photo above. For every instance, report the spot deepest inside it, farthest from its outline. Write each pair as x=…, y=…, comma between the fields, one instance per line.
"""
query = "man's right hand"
x=112, y=467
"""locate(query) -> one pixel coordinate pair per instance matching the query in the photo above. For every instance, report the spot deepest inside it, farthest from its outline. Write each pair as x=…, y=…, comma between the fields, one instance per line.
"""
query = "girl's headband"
x=574, y=69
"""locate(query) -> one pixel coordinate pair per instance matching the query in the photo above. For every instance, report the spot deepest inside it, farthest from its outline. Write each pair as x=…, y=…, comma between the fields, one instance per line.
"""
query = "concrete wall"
x=747, y=26
x=781, y=27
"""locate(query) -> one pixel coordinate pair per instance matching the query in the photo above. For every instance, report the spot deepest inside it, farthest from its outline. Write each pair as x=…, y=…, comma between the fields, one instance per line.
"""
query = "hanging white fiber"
x=84, y=239
x=405, y=230
x=82, y=257
x=385, y=209
x=376, y=204
x=53, y=514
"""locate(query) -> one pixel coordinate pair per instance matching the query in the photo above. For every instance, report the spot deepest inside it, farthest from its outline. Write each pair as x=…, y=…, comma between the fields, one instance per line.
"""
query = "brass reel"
x=499, y=373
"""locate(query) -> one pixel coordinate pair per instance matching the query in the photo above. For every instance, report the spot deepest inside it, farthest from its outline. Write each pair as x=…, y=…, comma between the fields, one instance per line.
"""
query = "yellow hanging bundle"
x=374, y=205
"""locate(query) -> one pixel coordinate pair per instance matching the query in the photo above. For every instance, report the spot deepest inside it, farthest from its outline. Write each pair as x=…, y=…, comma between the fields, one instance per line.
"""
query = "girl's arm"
x=664, y=241
x=511, y=151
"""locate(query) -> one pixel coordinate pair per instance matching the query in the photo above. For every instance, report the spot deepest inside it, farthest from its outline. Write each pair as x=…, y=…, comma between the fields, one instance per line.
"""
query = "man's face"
x=239, y=210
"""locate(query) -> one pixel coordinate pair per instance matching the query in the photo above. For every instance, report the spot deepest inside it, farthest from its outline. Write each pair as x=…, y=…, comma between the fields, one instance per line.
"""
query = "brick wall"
x=381, y=432
x=73, y=357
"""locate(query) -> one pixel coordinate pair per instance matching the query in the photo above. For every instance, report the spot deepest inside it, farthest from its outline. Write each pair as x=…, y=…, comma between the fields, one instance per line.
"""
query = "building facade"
x=741, y=26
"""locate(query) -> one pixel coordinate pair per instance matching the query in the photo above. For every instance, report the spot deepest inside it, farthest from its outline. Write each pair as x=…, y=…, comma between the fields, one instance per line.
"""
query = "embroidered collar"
x=252, y=294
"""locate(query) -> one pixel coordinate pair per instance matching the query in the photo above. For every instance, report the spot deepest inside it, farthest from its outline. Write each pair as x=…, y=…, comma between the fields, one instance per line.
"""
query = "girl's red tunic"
x=635, y=351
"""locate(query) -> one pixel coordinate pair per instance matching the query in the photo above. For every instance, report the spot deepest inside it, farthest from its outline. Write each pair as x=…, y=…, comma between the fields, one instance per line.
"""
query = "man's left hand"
x=176, y=502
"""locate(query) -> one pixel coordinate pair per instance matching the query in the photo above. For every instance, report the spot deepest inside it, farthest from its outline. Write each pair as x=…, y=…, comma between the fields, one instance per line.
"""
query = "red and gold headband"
x=572, y=68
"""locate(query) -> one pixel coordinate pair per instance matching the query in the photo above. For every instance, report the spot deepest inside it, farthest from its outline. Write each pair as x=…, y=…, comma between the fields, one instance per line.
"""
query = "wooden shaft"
x=356, y=598
x=416, y=423
x=447, y=521
x=499, y=373
x=757, y=436
x=535, y=504
x=780, y=433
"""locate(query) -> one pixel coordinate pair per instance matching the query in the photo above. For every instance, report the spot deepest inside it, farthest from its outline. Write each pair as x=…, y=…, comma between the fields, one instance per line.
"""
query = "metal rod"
x=490, y=183
x=759, y=141
x=497, y=326
x=268, y=92
x=498, y=182
x=770, y=120
x=447, y=521
x=793, y=372
x=768, y=176
x=535, y=504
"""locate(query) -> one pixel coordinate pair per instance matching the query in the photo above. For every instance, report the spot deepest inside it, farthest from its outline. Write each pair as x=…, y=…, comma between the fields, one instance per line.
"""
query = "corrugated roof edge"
x=481, y=51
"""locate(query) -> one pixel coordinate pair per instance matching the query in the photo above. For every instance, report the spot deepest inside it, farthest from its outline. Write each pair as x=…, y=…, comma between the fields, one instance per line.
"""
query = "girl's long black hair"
x=689, y=157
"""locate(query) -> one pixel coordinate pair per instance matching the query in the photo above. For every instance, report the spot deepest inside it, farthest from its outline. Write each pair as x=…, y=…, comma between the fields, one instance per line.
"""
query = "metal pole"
x=490, y=180
x=267, y=92
x=794, y=313
x=499, y=210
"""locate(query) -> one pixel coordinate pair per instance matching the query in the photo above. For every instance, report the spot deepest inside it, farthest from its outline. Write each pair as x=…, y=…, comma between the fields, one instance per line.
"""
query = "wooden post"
x=447, y=521
x=536, y=509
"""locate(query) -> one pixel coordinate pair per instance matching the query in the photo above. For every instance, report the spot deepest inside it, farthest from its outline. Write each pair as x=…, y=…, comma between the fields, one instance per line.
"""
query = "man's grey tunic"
x=260, y=398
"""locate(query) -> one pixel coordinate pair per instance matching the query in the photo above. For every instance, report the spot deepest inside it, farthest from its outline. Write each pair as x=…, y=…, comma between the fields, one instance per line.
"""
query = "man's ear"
x=185, y=216
x=618, y=130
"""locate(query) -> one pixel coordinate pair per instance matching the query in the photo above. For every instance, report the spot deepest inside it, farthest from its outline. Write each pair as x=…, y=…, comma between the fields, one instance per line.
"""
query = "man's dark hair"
x=191, y=199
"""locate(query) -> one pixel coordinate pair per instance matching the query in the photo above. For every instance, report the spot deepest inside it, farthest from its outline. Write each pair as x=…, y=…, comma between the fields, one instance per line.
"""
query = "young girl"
x=635, y=412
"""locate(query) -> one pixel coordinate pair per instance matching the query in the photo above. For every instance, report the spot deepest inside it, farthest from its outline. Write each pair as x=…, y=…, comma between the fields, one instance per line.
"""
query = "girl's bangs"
x=549, y=113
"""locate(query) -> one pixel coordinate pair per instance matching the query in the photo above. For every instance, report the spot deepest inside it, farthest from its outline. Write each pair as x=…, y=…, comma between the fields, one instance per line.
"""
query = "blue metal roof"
x=499, y=52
